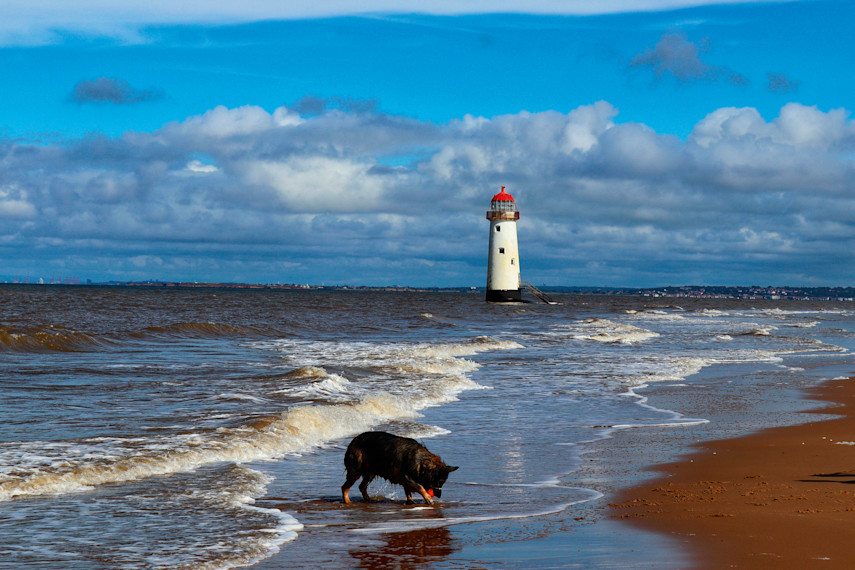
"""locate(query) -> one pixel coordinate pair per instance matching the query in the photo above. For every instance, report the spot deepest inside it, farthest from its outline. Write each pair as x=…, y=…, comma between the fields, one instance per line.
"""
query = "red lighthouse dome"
x=502, y=196
x=502, y=206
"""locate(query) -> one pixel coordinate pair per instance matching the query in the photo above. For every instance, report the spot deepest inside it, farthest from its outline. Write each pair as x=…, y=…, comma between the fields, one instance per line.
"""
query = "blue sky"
x=652, y=143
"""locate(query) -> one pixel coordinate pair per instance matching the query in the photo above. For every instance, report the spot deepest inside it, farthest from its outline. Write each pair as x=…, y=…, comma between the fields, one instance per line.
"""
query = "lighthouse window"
x=498, y=228
x=512, y=261
x=501, y=250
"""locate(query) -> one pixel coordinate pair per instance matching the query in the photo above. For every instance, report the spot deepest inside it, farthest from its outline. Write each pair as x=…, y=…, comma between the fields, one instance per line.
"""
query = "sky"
x=647, y=142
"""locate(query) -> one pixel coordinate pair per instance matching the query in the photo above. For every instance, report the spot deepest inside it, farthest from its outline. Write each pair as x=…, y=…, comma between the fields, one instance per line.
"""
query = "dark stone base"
x=510, y=296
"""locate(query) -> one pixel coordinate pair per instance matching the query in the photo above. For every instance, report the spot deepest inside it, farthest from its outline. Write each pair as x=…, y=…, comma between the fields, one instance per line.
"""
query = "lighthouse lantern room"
x=503, y=261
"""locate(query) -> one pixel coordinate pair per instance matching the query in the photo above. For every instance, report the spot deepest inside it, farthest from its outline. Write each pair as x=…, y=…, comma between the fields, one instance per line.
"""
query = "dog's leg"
x=408, y=491
x=363, y=487
x=345, y=489
x=423, y=493
x=418, y=489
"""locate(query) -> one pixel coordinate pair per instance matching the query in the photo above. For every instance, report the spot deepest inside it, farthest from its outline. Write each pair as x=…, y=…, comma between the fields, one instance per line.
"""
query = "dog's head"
x=436, y=477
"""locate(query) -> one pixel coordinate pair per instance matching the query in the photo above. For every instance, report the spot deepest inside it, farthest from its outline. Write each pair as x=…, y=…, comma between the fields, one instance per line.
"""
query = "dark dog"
x=399, y=460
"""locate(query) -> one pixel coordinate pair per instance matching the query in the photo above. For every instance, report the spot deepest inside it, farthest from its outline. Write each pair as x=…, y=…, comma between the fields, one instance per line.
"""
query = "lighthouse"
x=503, y=260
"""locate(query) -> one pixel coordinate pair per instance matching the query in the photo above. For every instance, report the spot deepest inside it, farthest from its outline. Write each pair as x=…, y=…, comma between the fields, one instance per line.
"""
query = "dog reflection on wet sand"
x=399, y=460
x=413, y=549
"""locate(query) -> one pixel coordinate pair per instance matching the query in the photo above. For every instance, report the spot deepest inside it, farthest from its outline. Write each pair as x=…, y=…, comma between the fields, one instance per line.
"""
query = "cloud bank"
x=360, y=197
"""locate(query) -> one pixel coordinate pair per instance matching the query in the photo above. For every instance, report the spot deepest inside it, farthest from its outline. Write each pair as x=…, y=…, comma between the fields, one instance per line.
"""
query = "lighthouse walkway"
x=537, y=293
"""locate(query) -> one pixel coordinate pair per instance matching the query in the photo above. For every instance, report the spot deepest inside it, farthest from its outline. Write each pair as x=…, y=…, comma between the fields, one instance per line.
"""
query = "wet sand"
x=780, y=498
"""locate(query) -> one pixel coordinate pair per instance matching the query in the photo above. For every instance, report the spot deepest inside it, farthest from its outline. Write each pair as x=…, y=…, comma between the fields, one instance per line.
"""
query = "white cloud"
x=797, y=126
x=319, y=184
x=803, y=126
x=585, y=125
x=221, y=122
x=14, y=204
x=17, y=209
x=728, y=123
x=201, y=168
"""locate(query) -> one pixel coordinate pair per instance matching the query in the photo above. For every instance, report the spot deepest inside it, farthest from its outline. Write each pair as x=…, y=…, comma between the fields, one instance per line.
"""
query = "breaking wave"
x=296, y=430
x=604, y=330
x=316, y=384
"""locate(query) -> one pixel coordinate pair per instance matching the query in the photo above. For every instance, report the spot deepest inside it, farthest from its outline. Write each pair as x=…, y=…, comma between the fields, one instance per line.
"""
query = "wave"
x=50, y=339
x=818, y=311
x=604, y=330
x=412, y=360
x=316, y=384
x=306, y=372
x=804, y=325
x=53, y=338
x=199, y=330
x=299, y=429
x=429, y=318
x=760, y=330
x=655, y=314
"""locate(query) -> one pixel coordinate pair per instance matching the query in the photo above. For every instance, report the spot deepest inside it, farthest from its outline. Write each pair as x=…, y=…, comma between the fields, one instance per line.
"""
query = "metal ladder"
x=537, y=293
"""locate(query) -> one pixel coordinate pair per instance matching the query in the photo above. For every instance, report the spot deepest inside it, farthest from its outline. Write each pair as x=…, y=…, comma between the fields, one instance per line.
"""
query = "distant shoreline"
x=257, y=286
x=842, y=294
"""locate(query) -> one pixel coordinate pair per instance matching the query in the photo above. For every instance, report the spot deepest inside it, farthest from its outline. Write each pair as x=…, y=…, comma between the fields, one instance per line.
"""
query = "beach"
x=778, y=498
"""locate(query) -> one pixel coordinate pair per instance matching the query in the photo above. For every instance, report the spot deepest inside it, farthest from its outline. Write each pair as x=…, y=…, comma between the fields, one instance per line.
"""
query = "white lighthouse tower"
x=503, y=261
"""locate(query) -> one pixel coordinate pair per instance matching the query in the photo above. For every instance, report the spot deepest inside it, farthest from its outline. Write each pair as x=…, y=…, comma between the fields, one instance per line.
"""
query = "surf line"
x=297, y=429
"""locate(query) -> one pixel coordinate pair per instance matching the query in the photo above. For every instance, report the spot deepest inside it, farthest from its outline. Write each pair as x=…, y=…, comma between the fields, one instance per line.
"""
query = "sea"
x=206, y=427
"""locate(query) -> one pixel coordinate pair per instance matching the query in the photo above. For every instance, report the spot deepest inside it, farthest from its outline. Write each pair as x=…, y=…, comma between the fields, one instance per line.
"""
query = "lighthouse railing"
x=500, y=215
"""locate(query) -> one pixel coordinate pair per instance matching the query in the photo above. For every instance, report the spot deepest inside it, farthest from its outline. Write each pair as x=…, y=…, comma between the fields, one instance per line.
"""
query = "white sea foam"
x=321, y=385
x=422, y=431
x=651, y=315
x=804, y=325
x=407, y=357
x=586, y=495
x=604, y=330
x=789, y=312
x=239, y=491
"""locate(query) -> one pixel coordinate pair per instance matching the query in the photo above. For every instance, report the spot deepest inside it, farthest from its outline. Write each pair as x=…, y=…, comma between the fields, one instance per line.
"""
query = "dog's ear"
x=451, y=468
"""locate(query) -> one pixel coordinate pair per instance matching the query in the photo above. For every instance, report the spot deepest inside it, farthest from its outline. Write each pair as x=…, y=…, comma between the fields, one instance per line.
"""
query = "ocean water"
x=206, y=428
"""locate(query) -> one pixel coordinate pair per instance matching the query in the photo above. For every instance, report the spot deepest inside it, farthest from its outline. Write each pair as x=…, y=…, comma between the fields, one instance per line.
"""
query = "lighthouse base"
x=508, y=296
